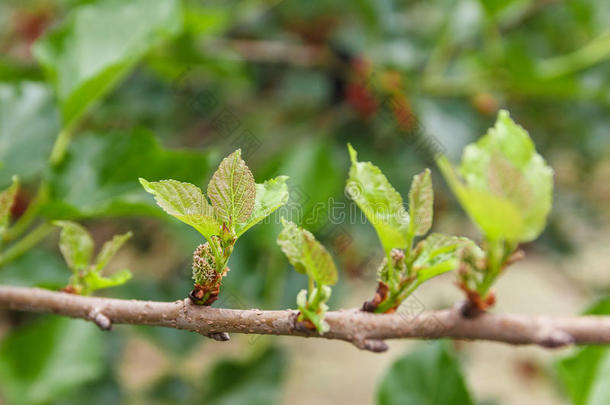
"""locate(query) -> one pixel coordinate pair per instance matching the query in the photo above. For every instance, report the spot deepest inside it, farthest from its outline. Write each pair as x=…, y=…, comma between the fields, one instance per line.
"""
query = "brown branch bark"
x=365, y=330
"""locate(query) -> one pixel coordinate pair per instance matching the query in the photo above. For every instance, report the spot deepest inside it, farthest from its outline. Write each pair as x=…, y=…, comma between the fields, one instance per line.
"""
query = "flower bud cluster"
x=204, y=265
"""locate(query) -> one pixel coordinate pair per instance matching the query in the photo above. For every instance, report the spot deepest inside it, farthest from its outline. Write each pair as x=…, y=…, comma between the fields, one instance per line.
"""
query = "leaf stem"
x=60, y=146
x=495, y=259
x=218, y=257
x=390, y=270
x=26, y=243
x=315, y=303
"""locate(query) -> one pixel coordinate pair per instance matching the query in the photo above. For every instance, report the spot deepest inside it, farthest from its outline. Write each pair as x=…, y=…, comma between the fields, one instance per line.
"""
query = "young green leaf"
x=514, y=170
x=270, y=195
x=75, y=244
x=232, y=190
x=440, y=253
x=438, y=247
x=306, y=254
x=95, y=281
x=421, y=200
x=186, y=202
x=109, y=249
x=494, y=215
x=290, y=241
x=435, y=270
x=380, y=202
x=7, y=198
x=508, y=186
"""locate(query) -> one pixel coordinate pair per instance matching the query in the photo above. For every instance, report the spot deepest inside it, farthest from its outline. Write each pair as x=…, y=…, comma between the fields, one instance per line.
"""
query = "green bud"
x=302, y=299
x=326, y=291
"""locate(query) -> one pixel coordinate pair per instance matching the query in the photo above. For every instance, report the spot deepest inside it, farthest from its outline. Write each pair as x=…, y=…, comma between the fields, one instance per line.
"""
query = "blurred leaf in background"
x=254, y=381
x=98, y=45
x=29, y=123
x=428, y=375
x=37, y=268
x=99, y=176
x=584, y=375
x=46, y=360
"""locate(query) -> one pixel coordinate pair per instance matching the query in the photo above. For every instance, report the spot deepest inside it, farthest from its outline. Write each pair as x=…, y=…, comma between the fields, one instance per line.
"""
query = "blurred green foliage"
x=29, y=125
x=42, y=362
x=428, y=375
x=584, y=373
x=99, y=175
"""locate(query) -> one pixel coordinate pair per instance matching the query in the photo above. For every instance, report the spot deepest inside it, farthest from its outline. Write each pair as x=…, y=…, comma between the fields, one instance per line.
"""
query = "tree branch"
x=365, y=330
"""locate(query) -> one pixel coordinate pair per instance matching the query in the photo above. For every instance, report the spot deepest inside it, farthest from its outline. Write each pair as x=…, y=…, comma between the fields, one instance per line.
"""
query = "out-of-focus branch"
x=365, y=330
x=272, y=51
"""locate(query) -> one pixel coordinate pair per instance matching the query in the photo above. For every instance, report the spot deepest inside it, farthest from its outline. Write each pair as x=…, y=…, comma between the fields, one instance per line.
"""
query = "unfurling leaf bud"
x=326, y=291
x=204, y=265
x=302, y=299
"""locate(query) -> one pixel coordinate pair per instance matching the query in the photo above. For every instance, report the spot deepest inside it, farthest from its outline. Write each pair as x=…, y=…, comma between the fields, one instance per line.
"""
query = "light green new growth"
x=404, y=268
x=270, y=196
x=421, y=199
x=236, y=201
x=380, y=202
x=186, y=202
x=309, y=257
x=503, y=184
x=76, y=246
x=236, y=204
x=232, y=190
x=506, y=188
